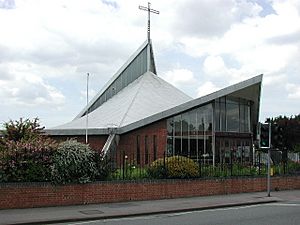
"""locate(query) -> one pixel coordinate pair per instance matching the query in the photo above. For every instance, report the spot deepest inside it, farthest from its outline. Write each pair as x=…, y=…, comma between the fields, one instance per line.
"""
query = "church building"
x=144, y=117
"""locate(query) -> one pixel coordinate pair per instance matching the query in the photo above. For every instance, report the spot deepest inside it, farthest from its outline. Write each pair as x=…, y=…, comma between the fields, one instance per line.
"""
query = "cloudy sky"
x=200, y=46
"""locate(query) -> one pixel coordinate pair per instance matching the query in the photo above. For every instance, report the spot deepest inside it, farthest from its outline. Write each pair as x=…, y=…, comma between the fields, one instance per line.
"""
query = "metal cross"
x=149, y=11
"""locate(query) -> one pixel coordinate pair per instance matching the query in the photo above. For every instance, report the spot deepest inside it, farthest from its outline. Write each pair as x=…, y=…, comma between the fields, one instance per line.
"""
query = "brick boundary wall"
x=28, y=195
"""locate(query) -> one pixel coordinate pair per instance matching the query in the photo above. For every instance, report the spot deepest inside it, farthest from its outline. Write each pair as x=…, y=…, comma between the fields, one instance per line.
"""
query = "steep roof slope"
x=140, y=62
x=144, y=97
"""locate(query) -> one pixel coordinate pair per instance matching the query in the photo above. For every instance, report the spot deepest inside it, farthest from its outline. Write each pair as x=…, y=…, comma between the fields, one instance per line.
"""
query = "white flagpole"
x=87, y=108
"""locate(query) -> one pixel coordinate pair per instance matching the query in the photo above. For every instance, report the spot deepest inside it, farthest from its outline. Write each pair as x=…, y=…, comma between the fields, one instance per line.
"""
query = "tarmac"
x=65, y=214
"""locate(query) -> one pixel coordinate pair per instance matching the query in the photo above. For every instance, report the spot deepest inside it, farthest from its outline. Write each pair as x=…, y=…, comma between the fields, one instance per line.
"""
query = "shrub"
x=157, y=169
x=73, y=163
x=175, y=167
x=25, y=154
x=293, y=167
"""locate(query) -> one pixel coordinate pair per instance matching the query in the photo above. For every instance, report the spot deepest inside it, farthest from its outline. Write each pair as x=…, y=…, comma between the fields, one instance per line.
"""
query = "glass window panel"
x=177, y=123
x=170, y=146
x=232, y=114
x=193, y=147
x=193, y=122
x=170, y=126
x=247, y=118
x=222, y=116
x=208, y=118
x=242, y=118
x=185, y=124
x=200, y=120
x=200, y=146
x=185, y=146
x=208, y=147
x=177, y=145
x=217, y=115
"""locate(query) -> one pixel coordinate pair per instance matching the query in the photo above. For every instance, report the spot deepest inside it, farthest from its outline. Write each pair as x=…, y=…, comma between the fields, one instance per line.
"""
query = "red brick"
x=29, y=195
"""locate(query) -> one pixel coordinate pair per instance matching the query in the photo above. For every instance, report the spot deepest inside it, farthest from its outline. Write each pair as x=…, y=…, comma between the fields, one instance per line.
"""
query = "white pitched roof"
x=144, y=97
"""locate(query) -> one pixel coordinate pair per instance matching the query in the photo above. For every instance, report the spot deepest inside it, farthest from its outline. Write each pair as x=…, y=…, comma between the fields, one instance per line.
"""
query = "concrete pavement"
x=52, y=215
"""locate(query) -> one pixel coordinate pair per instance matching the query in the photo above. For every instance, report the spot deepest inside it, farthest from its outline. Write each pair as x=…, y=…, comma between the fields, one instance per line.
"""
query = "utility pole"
x=149, y=11
x=87, y=108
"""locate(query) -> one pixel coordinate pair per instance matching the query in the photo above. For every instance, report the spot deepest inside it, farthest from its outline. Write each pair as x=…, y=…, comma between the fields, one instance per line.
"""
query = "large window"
x=232, y=115
x=177, y=134
x=190, y=133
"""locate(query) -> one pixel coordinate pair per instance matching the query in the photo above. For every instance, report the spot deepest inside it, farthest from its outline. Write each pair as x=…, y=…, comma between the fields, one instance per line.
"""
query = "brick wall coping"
x=140, y=181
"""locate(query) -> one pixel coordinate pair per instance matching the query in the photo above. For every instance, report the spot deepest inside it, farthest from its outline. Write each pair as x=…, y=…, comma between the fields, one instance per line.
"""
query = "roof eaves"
x=71, y=132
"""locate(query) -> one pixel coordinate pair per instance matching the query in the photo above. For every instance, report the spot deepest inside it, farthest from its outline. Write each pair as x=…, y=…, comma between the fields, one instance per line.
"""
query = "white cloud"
x=211, y=17
x=206, y=88
x=179, y=77
x=92, y=93
x=30, y=91
x=214, y=66
x=47, y=46
x=293, y=91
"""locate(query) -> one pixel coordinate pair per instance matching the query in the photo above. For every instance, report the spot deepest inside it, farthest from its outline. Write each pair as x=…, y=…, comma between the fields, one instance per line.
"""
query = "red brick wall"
x=44, y=194
x=128, y=141
x=96, y=141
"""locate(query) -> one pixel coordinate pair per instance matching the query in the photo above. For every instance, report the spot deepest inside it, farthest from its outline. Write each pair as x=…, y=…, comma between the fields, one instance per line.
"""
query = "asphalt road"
x=287, y=213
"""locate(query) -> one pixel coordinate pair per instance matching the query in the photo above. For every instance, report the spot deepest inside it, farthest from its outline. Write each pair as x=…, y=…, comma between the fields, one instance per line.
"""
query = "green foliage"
x=294, y=167
x=130, y=172
x=291, y=130
x=103, y=166
x=25, y=154
x=73, y=162
x=158, y=169
x=174, y=167
x=21, y=130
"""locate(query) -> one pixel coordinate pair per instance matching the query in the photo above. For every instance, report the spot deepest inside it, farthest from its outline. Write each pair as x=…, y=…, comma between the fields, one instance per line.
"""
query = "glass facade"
x=190, y=133
x=219, y=132
x=232, y=115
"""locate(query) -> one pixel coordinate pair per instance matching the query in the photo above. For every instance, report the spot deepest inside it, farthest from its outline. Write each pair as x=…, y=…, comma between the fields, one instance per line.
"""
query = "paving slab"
x=52, y=215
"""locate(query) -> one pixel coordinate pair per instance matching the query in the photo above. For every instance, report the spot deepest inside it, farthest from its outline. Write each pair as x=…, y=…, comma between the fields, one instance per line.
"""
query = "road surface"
x=287, y=212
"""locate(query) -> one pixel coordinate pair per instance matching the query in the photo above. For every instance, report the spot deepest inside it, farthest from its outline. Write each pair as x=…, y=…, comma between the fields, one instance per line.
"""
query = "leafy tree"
x=25, y=153
x=291, y=130
x=22, y=129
